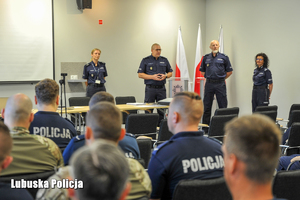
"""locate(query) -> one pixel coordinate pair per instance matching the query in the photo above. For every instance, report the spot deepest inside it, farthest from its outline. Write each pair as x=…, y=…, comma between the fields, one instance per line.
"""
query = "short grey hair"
x=254, y=140
x=103, y=169
x=101, y=96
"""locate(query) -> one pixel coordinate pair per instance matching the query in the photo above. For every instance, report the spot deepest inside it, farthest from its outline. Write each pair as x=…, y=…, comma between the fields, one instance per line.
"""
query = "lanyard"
x=97, y=75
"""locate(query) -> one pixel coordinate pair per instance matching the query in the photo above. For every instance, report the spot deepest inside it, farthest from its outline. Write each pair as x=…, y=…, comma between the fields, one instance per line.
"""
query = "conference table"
x=78, y=110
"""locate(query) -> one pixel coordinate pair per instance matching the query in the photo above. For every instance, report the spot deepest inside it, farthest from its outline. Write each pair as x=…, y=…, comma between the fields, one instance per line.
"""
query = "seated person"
x=251, y=151
x=104, y=122
x=5, y=159
x=188, y=154
x=47, y=122
x=284, y=162
x=103, y=169
x=285, y=136
x=31, y=153
x=128, y=144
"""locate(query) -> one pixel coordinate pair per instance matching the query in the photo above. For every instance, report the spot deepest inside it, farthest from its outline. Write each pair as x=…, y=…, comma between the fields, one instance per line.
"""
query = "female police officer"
x=95, y=73
x=262, y=82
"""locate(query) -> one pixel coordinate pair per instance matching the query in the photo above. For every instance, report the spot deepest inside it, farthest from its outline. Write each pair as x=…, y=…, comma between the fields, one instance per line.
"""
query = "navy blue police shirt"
x=53, y=126
x=151, y=66
x=73, y=145
x=262, y=76
x=130, y=146
x=93, y=73
x=215, y=67
x=187, y=155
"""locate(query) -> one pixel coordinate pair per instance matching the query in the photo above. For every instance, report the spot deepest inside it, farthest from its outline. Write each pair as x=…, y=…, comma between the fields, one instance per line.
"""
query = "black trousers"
x=260, y=97
x=153, y=95
x=92, y=89
x=211, y=89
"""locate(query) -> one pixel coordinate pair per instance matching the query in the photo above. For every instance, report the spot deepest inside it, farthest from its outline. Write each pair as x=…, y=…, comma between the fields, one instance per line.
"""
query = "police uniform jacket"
x=54, y=127
x=187, y=155
x=215, y=67
x=93, y=73
x=151, y=66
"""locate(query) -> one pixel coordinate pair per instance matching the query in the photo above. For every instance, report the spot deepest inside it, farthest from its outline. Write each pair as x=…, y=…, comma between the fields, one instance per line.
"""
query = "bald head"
x=18, y=109
x=189, y=108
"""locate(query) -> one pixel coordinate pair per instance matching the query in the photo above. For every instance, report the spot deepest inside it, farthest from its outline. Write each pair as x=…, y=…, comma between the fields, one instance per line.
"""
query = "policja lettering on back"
x=53, y=133
x=204, y=163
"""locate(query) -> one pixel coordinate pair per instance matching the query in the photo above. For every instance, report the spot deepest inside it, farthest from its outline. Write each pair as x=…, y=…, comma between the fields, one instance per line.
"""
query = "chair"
x=294, y=140
x=271, y=113
x=210, y=189
x=79, y=101
x=164, y=134
x=266, y=108
x=293, y=107
x=216, y=127
x=145, y=150
x=286, y=184
x=142, y=124
x=43, y=176
x=227, y=111
x=294, y=117
x=124, y=100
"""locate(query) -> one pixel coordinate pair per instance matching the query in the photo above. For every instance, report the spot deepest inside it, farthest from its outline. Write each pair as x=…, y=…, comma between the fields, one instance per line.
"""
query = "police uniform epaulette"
x=87, y=64
x=215, y=140
x=77, y=138
x=266, y=69
x=163, y=145
x=102, y=62
x=163, y=57
x=131, y=135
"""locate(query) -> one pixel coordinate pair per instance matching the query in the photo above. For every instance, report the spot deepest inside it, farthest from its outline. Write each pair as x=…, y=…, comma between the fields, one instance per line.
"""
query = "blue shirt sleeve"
x=169, y=68
x=142, y=68
x=68, y=151
x=269, y=77
x=228, y=67
x=85, y=74
x=202, y=66
x=156, y=172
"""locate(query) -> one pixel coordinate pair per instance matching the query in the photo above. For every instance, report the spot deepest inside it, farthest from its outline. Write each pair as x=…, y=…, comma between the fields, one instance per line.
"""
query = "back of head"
x=103, y=169
x=18, y=109
x=101, y=96
x=189, y=105
x=254, y=140
x=105, y=120
x=46, y=91
x=5, y=142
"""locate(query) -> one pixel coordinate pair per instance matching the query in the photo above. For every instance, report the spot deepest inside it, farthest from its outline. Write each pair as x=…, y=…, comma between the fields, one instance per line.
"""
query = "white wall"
x=129, y=29
x=251, y=27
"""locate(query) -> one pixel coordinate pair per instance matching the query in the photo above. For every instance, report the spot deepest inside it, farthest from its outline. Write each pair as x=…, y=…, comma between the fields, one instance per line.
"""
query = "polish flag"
x=198, y=61
x=181, y=63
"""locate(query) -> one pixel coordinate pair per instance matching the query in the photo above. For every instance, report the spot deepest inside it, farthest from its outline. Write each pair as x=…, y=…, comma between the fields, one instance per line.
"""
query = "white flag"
x=181, y=64
x=221, y=40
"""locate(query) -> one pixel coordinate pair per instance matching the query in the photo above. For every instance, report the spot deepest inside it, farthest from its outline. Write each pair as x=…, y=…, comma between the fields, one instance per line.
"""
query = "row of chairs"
x=285, y=185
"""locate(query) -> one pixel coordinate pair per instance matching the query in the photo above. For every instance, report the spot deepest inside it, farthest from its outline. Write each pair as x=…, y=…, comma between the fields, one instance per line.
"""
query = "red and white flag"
x=198, y=61
x=181, y=63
